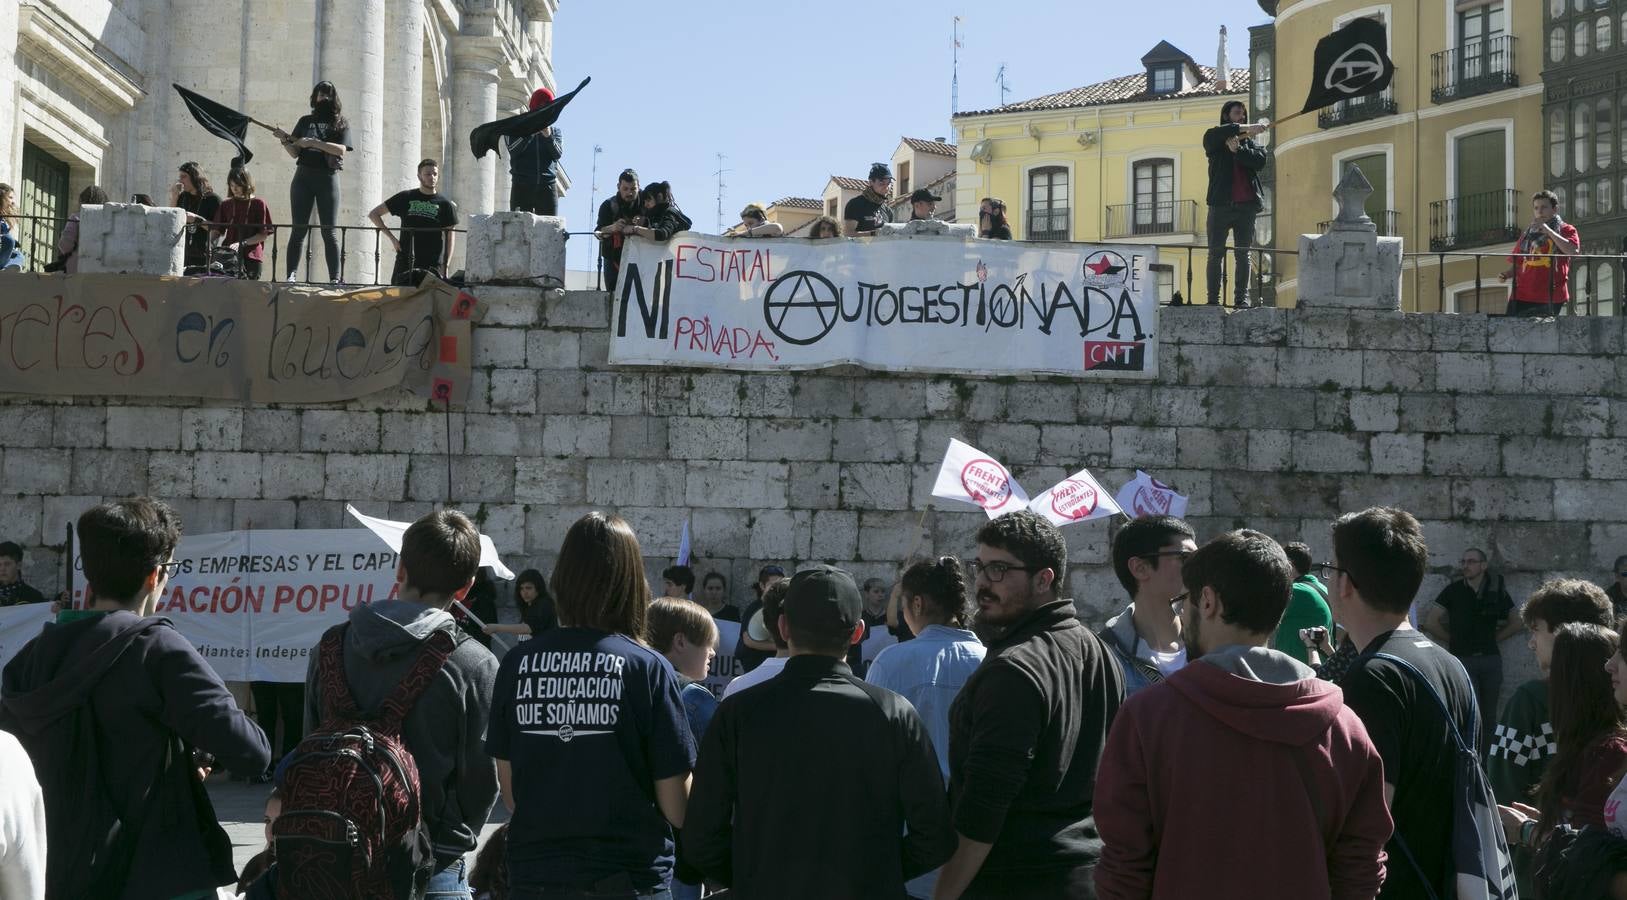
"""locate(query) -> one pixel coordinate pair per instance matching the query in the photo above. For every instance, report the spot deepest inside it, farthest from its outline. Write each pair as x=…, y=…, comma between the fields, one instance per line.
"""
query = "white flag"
x=1077, y=498
x=1147, y=496
x=391, y=533
x=972, y=476
x=683, y=545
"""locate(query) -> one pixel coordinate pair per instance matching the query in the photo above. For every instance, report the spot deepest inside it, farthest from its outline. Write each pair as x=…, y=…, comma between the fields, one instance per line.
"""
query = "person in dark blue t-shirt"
x=593, y=750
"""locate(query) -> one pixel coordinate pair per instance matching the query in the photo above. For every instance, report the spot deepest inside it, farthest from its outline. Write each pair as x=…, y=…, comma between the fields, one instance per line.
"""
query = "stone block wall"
x=1502, y=434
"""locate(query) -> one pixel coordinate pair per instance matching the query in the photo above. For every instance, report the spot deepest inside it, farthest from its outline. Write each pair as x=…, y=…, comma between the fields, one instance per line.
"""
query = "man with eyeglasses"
x=1146, y=636
x=1267, y=732
x=1379, y=558
x=1027, y=730
x=143, y=692
x=1472, y=616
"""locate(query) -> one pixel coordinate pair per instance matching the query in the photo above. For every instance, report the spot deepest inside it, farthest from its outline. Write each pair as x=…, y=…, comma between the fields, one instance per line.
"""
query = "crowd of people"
x=995, y=748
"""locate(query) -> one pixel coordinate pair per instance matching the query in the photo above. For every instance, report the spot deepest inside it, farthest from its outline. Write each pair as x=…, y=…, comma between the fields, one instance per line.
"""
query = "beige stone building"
x=85, y=95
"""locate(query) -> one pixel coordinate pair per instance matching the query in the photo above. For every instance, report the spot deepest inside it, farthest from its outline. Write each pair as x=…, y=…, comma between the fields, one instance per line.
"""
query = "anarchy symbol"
x=1354, y=70
x=792, y=296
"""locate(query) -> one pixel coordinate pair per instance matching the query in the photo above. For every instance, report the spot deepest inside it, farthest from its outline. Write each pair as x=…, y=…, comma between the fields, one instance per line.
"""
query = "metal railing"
x=1559, y=295
x=1388, y=222
x=1166, y=217
x=1475, y=67
x=1473, y=220
x=1358, y=109
x=1049, y=224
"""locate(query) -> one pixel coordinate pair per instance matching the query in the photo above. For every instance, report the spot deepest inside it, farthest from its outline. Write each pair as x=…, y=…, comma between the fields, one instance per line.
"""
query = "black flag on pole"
x=485, y=137
x=221, y=121
x=1351, y=62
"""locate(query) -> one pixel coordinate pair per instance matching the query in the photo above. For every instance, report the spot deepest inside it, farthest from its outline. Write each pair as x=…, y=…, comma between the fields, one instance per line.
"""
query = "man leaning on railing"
x=1541, y=260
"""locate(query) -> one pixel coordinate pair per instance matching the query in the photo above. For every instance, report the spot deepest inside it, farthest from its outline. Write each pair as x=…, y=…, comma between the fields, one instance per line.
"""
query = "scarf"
x=1534, y=235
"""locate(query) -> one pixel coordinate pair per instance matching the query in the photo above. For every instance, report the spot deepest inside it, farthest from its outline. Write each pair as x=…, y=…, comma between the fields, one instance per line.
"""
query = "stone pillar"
x=11, y=143
x=404, y=75
x=472, y=182
x=517, y=248
x=353, y=46
x=1350, y=266
x=123, y=237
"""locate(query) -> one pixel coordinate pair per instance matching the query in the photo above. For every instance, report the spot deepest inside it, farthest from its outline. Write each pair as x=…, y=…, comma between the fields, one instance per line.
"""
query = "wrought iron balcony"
x=1167, y=217
x=1358, y=109
x=1474, y=220
x=1049, y=224
x=1475, y=67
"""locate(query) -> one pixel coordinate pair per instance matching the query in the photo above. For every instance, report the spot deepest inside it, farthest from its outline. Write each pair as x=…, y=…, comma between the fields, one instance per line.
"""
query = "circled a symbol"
x=1354, y=70
x=801, y=307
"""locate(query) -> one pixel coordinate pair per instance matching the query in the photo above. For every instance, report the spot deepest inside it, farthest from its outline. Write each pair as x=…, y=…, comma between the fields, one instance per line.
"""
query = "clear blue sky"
x=793, y=92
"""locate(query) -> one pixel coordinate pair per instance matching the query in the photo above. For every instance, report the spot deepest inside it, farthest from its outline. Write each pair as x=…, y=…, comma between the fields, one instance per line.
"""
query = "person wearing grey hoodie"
x=446, y=730
x=1245, y=735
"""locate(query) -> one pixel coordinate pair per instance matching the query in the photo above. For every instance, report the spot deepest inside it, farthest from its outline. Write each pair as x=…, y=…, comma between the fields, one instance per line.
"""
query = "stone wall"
x=1501, y=434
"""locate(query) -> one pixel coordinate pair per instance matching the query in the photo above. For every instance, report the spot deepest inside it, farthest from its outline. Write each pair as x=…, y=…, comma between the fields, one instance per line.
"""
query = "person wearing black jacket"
x=1028, y=728
x=661, y=217
x=117, y=711
x=533, y=165
x=616, y=215
x=1235, y=195
x=783, y=804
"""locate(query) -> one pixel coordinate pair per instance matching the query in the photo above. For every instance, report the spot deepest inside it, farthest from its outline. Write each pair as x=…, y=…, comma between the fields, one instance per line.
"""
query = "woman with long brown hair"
x=11, y=256
x=592, y=747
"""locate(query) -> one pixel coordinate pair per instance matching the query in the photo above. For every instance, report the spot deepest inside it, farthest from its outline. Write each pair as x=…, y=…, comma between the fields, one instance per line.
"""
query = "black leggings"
x=321, y=188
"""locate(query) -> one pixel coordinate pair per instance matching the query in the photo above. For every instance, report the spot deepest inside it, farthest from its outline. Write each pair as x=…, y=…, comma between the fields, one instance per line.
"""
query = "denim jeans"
x=1234, y=221
x=1486, y=675
x=450, y=883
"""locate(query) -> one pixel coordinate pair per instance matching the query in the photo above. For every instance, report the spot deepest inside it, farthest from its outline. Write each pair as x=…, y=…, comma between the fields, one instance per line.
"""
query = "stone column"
x=353, y=46
x=472, y=182
x=404, y=78
x=1350, y=266
x=11, y=144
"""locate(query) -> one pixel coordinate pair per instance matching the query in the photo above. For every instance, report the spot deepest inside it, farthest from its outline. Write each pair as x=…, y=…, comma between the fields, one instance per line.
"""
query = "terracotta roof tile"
x=939, y=148
x=800, y=202
x=849, y=184
x=1127, y=89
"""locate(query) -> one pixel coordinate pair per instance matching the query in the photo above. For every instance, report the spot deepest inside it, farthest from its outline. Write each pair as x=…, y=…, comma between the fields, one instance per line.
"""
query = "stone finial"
x=1352, y=194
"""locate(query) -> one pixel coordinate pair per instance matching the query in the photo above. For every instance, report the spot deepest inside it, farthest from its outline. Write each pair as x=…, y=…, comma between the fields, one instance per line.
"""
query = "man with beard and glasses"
x=1026, y=731
x=1241, y=726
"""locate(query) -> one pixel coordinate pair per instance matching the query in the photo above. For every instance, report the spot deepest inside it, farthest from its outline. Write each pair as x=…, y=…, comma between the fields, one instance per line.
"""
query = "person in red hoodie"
x=1242, y=730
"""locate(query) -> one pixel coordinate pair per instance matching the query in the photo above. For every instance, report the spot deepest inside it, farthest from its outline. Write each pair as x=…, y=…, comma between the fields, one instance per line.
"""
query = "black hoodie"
x=151, y=703
x=1250, y=156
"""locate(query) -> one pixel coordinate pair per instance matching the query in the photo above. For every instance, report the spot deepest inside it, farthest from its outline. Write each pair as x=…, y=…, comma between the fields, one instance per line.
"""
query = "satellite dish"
x=983, y=151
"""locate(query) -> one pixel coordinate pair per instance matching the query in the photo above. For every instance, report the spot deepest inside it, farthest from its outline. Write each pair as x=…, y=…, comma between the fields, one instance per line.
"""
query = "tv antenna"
x=954, y=80
x=720, y=187
x=593, y=186
x=1005, y=85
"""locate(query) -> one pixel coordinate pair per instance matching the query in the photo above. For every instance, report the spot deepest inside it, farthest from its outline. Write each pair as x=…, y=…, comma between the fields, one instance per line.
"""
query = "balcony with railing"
x=1476, y=67
x=1164, y=217
x=1358, y=109
x=1474, y=220
x=1050, y=224
x=1388, y=222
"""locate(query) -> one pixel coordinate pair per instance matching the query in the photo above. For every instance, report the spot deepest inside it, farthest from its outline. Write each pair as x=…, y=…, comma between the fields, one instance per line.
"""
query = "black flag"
x=221, y=121
x=1351, y=62
x=485, y=137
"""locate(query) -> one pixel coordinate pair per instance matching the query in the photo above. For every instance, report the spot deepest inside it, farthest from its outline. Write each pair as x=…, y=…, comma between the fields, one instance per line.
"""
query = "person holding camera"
x=1541, y=264
x=1472, y=616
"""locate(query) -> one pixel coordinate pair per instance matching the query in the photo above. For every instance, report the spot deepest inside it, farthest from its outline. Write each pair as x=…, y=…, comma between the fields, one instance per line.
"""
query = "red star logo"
x=1103, y=266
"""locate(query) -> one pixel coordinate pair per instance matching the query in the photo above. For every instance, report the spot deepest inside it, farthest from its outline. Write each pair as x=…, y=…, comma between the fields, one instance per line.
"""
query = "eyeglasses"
x=995, y=572
x=171, y=568
x=1182, y=555
x=1327, y=571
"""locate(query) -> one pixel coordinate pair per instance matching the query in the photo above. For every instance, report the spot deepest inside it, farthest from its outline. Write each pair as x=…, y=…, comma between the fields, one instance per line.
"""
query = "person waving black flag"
x=220, y=120
x=1351, y=62
x=485, y=137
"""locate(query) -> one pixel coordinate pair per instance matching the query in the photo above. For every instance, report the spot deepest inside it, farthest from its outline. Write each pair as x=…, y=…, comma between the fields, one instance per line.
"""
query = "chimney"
x=940, y=140
x=1223, y=81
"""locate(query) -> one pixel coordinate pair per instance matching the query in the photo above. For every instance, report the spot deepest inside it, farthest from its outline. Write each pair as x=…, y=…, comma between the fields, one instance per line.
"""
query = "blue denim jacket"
x=928, y=672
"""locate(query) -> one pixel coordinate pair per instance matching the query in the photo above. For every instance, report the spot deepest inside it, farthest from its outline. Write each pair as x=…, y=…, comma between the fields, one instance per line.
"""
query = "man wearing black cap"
x=922, y=204
x=816, y=784
x=869, y=211
x=1027, y=729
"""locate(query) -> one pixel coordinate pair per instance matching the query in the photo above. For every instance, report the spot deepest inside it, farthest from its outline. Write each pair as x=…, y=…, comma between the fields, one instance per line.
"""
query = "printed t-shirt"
x=1531, y=273
x=422, y=218
x=589, y=721
x=326, y=132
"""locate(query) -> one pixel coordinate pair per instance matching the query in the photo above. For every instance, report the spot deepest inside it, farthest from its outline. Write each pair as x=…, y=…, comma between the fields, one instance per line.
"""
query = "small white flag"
x=391, y=533
x=972, y=476
x=683, y=546
x=1077, y=498
x=1147, y=496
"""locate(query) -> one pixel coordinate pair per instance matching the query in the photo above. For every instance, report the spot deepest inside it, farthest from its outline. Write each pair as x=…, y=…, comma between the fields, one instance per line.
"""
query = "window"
x=1556, y=142
x=830, y=207
x=1556, y=9
x=1601, y=196
x=1579, y=5
x=1556, y=44
x=1048, y=204
x=1603, y=133
x=1582, y=206
x=1262, y=81
x=1601, y=34
x=1163, y=276
x=1561, y=193
x=1154, y=192
x=1581, y=140
x=903, y=178
x=1477, y=27
x=1582, y=39
x=1165, y=80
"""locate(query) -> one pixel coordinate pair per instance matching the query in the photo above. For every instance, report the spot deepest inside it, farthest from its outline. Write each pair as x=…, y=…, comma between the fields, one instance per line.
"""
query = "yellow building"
x=1453, y=148
x=1121, y=160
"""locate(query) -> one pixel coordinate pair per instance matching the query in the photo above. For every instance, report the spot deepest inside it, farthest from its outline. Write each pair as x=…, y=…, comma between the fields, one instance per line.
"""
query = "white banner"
x=1145, y=495
x=972, y=476
x=1077, y=498
x=932, y=304
x=725, y=668
x=19, y=625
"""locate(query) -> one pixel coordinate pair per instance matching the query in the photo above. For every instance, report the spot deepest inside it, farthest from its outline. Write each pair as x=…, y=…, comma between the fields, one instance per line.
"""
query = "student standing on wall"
x=533, y=165
x=318, y=143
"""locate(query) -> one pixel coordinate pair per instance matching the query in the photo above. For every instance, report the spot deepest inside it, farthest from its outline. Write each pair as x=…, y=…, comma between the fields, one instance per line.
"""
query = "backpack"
x=352, y=823
x=1480, y=867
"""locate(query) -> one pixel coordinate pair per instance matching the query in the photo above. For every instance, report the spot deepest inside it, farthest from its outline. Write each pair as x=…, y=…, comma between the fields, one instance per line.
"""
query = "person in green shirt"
x=1307, y=605
x=1523, y=742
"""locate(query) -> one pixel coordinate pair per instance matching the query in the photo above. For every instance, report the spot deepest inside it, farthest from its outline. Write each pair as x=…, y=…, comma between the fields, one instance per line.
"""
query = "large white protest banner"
x=972, y=476
x=725, y=666
x=18, y=625
x=1145, y=495
x=920, y=303
x=1077, y=498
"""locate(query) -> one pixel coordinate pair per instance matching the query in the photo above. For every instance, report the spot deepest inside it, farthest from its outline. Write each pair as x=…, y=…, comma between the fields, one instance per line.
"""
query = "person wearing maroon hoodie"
x=1242, y=727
